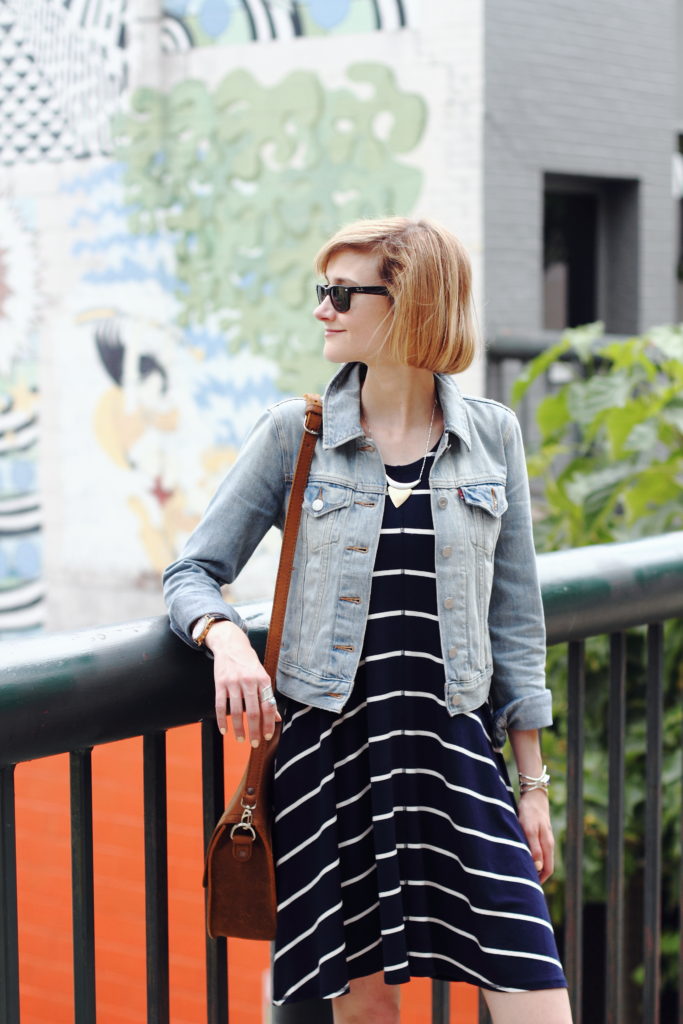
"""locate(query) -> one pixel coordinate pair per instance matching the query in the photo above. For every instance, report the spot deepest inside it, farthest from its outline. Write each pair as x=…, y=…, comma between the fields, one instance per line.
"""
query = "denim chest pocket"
x=324, y=508
x=485, y=505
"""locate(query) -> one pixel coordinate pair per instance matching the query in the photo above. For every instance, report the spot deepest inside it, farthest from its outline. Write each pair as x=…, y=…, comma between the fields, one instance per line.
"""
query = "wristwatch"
x=202, y=627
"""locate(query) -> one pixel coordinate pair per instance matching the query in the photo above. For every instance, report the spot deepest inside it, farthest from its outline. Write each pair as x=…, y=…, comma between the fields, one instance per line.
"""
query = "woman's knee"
x=544, y=1006
x=370, y=1001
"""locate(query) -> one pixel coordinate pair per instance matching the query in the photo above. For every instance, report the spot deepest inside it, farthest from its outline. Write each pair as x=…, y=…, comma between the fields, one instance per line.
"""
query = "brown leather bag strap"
x=312, y=427
x=263, y=754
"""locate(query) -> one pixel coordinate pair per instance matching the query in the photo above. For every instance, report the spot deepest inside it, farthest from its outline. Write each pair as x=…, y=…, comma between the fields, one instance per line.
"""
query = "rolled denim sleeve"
x=519, y=697
x=248, y=502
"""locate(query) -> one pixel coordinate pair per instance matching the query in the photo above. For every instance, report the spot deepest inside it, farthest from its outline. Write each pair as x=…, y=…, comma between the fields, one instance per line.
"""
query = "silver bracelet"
x=529, y=782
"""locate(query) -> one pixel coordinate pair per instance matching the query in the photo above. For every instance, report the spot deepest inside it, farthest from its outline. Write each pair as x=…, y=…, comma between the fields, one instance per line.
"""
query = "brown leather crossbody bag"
x=240, y=873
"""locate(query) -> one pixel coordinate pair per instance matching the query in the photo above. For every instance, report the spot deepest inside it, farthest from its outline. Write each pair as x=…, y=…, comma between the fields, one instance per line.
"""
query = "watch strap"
x=209, y=621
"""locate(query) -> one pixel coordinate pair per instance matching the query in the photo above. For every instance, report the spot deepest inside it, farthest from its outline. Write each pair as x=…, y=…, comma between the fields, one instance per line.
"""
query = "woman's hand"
x=240, y=679
x=534, y=817
x=533, y=806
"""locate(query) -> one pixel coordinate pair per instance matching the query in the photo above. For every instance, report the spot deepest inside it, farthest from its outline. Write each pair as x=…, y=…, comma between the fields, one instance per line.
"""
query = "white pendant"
x=399, y=495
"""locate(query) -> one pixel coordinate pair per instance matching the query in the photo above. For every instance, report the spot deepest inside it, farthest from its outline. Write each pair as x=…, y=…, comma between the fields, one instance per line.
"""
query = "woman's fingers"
x=269, y=712
x=240, y=682
x=547, y=842
x=535, y=820
x=244, y=700
x=536, y=852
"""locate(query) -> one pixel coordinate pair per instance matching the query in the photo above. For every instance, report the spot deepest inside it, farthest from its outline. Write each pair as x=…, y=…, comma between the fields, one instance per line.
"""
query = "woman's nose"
x=324, y=310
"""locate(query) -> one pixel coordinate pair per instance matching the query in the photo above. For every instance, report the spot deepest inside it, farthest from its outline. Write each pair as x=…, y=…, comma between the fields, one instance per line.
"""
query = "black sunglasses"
x=340, y=294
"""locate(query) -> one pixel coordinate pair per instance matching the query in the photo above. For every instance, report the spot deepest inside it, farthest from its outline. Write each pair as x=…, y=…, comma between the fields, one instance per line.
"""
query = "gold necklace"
x=400, y=492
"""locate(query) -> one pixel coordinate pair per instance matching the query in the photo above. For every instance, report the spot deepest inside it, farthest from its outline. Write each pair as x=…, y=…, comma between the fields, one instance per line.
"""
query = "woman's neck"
x=397, y=403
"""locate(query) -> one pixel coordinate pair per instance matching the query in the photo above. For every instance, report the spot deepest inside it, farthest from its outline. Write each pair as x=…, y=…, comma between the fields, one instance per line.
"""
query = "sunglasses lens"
x=341, y=298
x=339, y=294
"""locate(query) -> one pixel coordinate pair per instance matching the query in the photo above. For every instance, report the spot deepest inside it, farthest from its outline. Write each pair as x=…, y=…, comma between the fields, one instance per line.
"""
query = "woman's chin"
x=333, y=354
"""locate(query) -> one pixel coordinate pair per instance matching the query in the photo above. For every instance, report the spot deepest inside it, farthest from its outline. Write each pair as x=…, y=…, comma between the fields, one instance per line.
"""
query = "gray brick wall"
x=586, y=87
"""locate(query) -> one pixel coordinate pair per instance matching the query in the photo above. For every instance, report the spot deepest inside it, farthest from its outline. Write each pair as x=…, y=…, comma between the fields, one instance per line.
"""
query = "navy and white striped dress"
x=397, y=844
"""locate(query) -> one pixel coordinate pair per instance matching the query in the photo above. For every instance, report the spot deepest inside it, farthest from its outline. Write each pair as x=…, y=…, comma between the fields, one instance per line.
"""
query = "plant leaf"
x=553, y=415
x=535, y=368
x=587, y=399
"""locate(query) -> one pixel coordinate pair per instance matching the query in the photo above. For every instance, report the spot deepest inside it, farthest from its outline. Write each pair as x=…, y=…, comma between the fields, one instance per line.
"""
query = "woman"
x=413, y=643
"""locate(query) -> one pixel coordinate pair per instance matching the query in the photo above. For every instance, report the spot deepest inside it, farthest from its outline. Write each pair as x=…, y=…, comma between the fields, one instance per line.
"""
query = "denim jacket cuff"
x=193, y=609
x=532, y=712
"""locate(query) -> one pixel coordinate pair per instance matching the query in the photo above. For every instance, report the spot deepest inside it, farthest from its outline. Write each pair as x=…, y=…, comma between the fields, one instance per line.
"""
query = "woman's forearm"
x=526, y=747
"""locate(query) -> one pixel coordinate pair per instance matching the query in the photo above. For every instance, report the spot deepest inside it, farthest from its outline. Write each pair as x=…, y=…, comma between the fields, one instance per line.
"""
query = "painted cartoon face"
x=360, y=333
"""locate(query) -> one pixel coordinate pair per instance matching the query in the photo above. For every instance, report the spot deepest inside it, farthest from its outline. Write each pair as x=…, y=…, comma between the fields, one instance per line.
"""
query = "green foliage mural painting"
x=249, y=179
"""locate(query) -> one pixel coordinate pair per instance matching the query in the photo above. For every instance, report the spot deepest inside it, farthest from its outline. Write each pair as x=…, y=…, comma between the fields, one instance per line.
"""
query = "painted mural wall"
x=167, y=172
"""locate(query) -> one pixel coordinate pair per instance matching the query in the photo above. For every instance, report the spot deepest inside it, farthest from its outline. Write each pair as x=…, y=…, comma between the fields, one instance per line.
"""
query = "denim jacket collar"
x=341, y=403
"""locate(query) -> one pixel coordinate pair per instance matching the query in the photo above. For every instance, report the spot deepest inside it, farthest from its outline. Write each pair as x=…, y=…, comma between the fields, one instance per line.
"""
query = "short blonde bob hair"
x=428, y=274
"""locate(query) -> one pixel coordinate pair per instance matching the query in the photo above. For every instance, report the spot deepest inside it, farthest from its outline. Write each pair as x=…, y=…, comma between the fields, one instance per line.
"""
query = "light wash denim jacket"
x=489, y=602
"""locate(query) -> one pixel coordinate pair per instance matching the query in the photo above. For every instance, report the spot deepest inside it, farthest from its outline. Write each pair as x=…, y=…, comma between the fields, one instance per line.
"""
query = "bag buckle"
x=246, y=822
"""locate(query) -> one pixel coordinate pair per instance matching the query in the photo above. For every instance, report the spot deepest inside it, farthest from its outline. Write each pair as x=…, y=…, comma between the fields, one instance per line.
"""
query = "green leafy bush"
x=609, y=467
x=611, y=449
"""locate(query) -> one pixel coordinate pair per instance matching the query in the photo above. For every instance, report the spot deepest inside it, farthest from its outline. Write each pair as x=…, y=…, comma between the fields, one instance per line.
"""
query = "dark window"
x=570, y=237
x=590, y=252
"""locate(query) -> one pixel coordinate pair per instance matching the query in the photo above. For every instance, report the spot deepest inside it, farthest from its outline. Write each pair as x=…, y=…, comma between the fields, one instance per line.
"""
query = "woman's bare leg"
x=370, y=1001
x=544, y=1006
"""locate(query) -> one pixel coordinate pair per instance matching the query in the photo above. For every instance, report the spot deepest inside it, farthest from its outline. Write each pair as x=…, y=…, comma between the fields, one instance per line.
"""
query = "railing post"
x=653, y=824
x=213, y=804
x=441, y=1002
x=9, y=942
x=82, y=898
x=614, y=988
x=574, y=855
x=156, y=877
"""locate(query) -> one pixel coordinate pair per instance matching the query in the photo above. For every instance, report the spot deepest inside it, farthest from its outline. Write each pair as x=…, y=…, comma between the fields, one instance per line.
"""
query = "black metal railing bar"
x=573, y=931
x=82, y=886
x=614, y=988
x=653, y=824
x=156, y=876
x=71, y=692
x=9, y=950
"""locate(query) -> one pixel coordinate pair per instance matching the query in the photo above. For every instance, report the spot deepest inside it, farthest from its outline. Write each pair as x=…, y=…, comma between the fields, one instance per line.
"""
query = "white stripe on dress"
x=462, y=828
x=482, y=911
x=406, y=529
x=468, y=970
x=363, y=913
x=405, y=572
x=309, y=931
x=311, y=974
x=470, y=870
x=491, y=950
x=402, y=612
x=403, y=654
x=309, y=885
x=354, y=956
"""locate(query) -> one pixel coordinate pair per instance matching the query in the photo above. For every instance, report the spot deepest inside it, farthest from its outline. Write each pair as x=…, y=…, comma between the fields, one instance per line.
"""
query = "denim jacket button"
x=449, y=602
x=447, y=551
x=443, y=502
x=318, y=505
x=456, y=700
x=452, y=652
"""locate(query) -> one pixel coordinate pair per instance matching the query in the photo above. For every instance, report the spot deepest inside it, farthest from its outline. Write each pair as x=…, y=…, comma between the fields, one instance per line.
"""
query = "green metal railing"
x=70, y=692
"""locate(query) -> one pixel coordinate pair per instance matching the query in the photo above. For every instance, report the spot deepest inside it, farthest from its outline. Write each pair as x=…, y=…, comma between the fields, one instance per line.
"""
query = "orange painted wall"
x=44, y=873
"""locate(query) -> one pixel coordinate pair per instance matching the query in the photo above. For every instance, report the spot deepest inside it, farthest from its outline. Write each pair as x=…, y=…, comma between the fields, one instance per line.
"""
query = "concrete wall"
x=166, y=174
x=587, y=88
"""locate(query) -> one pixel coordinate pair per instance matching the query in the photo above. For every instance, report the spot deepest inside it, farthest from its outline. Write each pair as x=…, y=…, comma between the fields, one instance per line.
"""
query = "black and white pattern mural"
x=62, y=70
x=22, y=589
x=189, y=23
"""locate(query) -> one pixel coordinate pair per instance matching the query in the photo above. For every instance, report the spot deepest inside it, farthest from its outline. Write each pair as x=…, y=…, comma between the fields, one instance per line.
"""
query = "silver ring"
x=269, y=701
x=266, y=693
